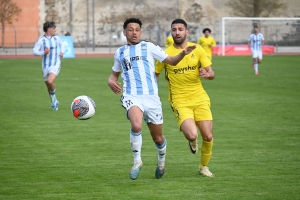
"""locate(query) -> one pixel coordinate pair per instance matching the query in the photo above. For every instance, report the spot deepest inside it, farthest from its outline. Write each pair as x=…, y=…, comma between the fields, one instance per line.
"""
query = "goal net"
x=282, y=33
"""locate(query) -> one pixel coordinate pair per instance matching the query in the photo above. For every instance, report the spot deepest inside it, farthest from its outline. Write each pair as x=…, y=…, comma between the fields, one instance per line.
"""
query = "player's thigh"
x=205, y=128
x=182, y=112
x=254, y=54
x=152, y=109
x=50, y=73
x=189, y=129
x=202, y=111
x=134, y=109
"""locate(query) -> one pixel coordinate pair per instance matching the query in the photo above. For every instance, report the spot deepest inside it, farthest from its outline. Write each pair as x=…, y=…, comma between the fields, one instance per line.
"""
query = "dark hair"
x=179, y=21
x=255, y=26
x=47, y=25
x=132, y=20
x=206, y=29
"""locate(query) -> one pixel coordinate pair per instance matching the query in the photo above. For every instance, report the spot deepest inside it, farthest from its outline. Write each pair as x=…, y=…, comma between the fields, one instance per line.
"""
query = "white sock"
x=53, y=96
x=256, y=67
x=136, y=145
x=161, y=150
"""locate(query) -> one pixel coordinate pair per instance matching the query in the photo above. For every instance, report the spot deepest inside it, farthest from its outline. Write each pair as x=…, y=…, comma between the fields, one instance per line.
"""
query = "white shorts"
x=51, y=69
x=150, y=105
x=257, y=54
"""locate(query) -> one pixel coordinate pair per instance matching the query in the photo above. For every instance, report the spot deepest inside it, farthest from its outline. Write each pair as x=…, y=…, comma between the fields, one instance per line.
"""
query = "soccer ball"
x=83, y=107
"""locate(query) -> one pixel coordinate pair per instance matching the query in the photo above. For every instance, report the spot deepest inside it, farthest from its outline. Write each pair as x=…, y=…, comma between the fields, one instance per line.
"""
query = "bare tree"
x=256, y=8
x=8, y=10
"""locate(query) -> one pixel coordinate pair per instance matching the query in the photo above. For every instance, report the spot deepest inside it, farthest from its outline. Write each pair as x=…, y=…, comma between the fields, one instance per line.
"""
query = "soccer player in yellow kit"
x=207, y=42
x=189, y=100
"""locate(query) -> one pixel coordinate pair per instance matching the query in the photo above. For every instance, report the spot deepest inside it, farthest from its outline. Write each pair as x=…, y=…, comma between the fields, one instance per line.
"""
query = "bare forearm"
x=174, y=60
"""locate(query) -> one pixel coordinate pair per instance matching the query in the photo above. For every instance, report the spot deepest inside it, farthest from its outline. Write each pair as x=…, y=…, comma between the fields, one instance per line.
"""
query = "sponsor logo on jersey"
x=182, y=70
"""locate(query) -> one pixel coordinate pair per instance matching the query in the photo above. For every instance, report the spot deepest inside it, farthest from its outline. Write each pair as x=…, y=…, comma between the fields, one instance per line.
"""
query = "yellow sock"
x=206, y=151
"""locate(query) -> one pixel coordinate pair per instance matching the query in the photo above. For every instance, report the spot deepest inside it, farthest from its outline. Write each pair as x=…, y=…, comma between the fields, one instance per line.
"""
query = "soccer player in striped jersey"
x=207, y=42
x=189, y=100
x=255, y=41
x=140, y=92
x=50, y=47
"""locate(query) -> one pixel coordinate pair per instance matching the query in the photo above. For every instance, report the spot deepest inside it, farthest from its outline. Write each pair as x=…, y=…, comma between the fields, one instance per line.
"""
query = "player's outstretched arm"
x=174, y=60
x=113, y=82
x=207, y=73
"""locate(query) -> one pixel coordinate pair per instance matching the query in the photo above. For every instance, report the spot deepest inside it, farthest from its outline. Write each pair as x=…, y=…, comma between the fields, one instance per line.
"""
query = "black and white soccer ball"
x=83, y=107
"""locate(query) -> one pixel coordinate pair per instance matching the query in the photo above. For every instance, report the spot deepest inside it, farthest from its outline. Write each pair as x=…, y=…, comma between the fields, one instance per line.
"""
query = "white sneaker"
x=205, y=172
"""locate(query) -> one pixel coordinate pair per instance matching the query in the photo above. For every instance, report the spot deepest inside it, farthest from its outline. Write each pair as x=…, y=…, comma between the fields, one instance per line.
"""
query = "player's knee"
x=191, y=136
x=136, y=127
x=207, y=138
x=159, y=139
x=50, y=81
x=259, y=61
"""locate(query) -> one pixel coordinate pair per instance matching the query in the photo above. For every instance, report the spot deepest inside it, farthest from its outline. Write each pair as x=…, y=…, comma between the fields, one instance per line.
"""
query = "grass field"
x=51, y=155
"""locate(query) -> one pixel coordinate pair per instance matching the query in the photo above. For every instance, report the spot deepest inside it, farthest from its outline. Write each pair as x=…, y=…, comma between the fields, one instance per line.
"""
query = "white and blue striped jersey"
x=138, y=67
x=256, y=41
x=54, y=44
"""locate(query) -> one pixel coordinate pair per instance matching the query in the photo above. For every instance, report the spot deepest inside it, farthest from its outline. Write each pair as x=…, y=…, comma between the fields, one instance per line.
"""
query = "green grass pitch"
x=51, y=155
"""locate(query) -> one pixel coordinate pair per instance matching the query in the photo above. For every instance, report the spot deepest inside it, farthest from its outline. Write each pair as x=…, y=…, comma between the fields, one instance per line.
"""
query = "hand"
x=209, y=45
x=203, y=73
x=46, y=51
x=114, y=86
x=61, y=54
x=188, y=49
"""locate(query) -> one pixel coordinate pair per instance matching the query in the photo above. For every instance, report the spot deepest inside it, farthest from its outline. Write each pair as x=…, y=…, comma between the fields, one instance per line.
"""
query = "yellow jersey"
x=184, y=80
x=204, y=42
x=169, y=41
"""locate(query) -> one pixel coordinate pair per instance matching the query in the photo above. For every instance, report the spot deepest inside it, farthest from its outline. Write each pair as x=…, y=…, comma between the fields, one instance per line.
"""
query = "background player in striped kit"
x=140, y=92
x=50, y=47
x=255, y=41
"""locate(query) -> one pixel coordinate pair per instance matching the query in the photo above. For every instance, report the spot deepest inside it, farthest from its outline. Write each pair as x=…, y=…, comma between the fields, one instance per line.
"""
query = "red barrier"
x=241, y=50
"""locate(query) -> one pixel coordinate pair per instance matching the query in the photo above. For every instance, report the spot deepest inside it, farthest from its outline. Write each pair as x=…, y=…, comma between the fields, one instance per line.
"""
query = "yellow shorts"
x=197, y=109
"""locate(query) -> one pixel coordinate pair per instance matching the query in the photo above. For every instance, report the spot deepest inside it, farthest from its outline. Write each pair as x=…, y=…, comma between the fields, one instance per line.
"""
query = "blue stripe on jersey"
x=56, y=55
x=44, y=57
x=128, y=86
x=51, y=52
x=136, y=71
x=147, y=68
x=257, y=42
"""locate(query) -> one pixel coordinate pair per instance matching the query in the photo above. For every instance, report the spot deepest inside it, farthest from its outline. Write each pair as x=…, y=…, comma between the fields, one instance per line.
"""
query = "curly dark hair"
x=132, y=20
x=47, y=25
x=206, y=29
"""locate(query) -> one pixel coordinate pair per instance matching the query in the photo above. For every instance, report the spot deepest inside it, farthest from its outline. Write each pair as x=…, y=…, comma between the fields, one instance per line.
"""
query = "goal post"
x=271, y=24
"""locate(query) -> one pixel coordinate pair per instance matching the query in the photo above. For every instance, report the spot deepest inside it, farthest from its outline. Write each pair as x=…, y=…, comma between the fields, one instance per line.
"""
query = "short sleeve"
x=157, y=52
x=117, y=64
x=249, y=38
x=159, y=67
x=262, y=37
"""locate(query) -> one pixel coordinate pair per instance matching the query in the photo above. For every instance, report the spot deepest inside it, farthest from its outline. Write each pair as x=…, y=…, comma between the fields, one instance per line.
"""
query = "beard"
x=180, y=41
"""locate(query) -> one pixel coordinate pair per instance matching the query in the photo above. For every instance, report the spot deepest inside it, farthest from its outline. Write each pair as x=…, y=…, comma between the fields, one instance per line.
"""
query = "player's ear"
x=124, y=32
